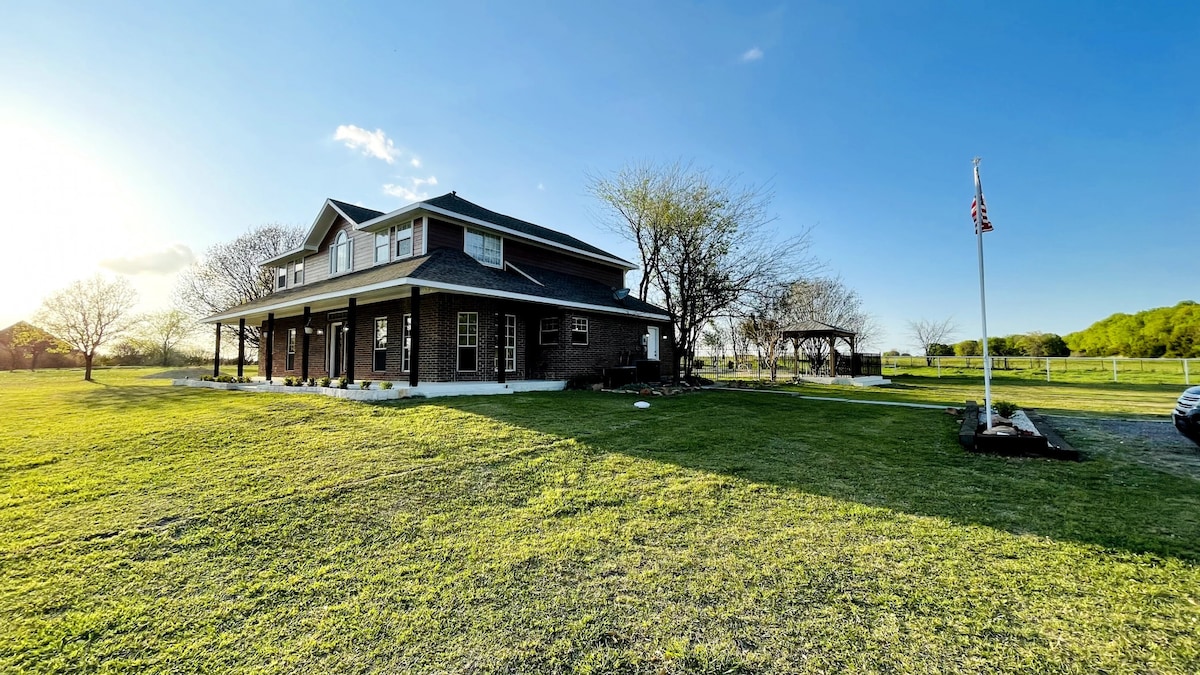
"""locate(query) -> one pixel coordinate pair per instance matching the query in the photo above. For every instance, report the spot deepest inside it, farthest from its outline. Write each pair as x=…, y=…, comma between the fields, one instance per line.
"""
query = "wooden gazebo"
x=808, y=329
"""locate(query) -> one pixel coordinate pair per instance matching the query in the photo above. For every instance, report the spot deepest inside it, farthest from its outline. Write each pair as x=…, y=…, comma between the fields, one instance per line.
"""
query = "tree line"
x=1159, y=332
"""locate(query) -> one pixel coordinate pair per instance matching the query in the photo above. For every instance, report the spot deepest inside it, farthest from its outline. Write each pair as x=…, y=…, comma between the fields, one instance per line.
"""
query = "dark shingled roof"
x=452, y=266
x=357, y=213
x=452, y=202
x=814, y=328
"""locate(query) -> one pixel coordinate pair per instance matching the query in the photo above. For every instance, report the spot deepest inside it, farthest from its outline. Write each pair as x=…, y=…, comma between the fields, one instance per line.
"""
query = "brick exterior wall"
x=612, y=340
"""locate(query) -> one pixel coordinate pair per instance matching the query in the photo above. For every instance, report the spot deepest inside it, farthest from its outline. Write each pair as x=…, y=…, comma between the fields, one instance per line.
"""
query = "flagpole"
x=987, y=362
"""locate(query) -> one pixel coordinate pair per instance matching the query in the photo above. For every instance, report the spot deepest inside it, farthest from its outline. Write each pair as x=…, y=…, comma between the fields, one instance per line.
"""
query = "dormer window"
x=298, y=273
x=404, y=241
x=339, y=254
x=382, y=245
x=281, y=277
x=483, y=247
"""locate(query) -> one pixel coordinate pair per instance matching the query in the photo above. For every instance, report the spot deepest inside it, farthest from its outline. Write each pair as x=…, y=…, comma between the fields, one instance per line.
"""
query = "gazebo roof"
x=811, y=328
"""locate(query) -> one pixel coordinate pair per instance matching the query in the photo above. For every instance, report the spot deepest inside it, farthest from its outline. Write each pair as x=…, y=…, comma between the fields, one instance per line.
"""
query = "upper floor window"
x=382, y=246
x=483, y=247
x=298, y=273
x=404, y=241
x=339, y=254
x=281, y=280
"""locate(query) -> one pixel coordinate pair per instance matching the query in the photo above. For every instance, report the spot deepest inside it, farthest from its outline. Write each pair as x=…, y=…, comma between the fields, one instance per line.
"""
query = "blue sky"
x=135, y=136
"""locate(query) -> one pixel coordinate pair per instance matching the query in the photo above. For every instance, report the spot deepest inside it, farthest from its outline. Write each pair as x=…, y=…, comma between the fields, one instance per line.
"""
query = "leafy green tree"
x=939, y=349
x=968, y=348
x=34, y=342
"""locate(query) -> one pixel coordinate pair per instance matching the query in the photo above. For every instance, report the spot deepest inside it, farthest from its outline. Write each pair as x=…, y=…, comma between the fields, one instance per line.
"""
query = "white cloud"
x=416, y=162
x=404, y=192
x=413, y=194
x=752, y=54
x=166, y=261
x=372, y=143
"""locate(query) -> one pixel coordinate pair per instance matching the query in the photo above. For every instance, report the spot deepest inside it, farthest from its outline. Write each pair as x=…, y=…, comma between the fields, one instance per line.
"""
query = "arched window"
x=339, y=254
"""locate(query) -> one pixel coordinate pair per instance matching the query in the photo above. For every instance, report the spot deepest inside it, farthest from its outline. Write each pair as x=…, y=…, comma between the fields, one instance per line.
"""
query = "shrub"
x=325, y=381
x=289, y=381
x=206, y=378
x=225, y=378
x=385, y=385
x=1005, y=408
x=365, y=384
x=243, y=380
x=312, y=382
x=343, y=382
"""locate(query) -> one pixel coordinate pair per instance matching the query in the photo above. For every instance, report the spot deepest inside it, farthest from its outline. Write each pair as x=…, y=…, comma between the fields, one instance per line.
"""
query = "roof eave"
x=435, y=285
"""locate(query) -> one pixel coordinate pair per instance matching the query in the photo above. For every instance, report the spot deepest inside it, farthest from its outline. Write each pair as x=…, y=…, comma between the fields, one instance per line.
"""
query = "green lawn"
x=145, y=528
x=1150, y=401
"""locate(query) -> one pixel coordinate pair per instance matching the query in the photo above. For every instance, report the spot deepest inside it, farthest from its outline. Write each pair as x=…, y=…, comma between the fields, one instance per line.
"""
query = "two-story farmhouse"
x=444, y=290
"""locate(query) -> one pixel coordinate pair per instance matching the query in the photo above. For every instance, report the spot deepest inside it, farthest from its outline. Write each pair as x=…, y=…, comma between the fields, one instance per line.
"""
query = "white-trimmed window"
x=483, y=247
x=281, y=277
x=404, y=241
x=510, y=342
x=548, y=331
x=298, y=273
x=339, y=254
x=383, y=245
x=468, y=341
x=291, y=350
x=579, y=330
x=379, y=358
x=406, y=342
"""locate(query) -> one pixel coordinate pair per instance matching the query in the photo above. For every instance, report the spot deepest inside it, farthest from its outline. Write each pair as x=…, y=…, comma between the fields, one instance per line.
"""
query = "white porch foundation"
x=400, y=389
x=860, y=381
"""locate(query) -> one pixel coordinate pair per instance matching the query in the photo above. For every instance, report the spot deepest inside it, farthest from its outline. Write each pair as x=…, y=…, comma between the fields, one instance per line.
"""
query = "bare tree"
x=714, y=340
x=230, y=273
x=830, y=301
x=768, y=315
x=163, y=331
x=704, y=243
x=87, y=314
x=926, y=332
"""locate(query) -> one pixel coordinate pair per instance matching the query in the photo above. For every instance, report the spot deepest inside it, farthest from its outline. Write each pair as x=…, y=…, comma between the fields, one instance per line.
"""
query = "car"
x=1187, y=414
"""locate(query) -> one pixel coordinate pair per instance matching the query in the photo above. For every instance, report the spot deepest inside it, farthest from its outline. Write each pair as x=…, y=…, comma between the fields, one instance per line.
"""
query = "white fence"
x=1051, y=369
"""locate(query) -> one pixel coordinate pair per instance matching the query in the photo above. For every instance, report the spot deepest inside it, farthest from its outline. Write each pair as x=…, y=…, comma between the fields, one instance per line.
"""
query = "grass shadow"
x=901, y=459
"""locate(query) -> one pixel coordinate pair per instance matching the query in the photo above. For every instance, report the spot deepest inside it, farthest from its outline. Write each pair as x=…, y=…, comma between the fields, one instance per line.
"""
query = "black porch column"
x=241, y=344
x=414, y=338
x=270, y=337
x=217, y=354
x=304, y=344
x=350, y=330
x=500, y=346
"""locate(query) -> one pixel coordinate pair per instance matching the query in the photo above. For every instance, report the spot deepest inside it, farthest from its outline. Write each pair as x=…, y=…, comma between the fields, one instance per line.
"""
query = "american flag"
x=987, y=224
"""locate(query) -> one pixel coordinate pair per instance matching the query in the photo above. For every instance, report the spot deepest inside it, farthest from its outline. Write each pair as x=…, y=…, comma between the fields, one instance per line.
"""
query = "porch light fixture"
x=345, y=329
x=308, y=329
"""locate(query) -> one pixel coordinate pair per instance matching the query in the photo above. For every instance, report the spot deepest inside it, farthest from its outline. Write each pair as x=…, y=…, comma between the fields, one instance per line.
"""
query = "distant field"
x=1119, y=399
x=154, y=529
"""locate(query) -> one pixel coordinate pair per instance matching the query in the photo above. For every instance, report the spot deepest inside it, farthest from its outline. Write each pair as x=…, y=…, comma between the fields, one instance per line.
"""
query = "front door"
x=337, y=350
x=652, y=339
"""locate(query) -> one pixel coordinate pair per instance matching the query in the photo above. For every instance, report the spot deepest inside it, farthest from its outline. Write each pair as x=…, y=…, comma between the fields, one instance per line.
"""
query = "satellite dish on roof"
x=620, y=294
